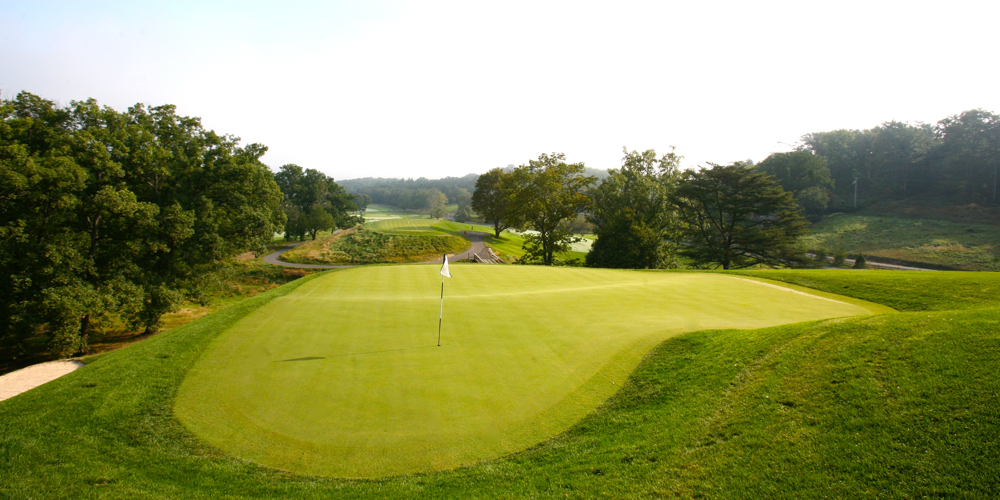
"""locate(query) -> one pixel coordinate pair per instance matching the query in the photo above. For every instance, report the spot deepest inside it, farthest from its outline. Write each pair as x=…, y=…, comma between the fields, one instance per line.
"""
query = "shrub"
x=859, y=263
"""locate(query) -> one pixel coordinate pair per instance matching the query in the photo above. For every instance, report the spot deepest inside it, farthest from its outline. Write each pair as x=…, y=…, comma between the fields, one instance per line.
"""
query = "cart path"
x=25, y=379
x=478, y=246
x=274, y=260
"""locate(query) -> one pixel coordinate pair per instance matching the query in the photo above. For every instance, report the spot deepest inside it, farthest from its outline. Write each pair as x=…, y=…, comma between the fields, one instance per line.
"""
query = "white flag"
x=444, y=268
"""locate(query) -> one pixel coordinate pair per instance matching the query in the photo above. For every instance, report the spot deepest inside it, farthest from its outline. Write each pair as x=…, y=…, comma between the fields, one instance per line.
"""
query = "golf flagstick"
x=444, y=274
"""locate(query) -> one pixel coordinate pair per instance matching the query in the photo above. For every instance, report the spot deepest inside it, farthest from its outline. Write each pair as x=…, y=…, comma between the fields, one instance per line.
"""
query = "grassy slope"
x=337, y=379
x=966, y=246
x=371, y=246
x=894, y=406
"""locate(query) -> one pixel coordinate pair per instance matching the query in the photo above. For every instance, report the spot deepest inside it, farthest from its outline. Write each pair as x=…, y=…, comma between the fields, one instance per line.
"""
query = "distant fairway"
x=342, y=376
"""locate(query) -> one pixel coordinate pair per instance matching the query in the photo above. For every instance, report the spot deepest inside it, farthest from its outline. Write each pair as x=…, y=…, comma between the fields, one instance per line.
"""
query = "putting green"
x=343, y=377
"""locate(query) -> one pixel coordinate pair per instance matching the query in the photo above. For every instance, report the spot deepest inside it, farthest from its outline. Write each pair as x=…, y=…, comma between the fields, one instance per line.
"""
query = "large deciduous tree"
x=313, y=202
x=632, y=214
x=126, y=214
x=734, y=216
x=491, y=201
x=437, y=203
x=544, y=194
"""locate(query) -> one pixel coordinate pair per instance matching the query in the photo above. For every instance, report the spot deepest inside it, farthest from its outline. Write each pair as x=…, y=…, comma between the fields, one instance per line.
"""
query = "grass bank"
x=969, y=246
x=899, y=405
x=361, y=245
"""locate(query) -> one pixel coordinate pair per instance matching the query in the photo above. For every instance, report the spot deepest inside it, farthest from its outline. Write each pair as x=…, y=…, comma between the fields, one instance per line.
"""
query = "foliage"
x=839, y=256
x=958, y=158
x=491, y=201
x=105, y=213
x=805, y=175
x=631, y=213
x=859, y=262
x=410, y=194
x=735, y=216
x=544, y=194
x=437, y=204
x=362, y=201
x=465, y=214
x=313, y=202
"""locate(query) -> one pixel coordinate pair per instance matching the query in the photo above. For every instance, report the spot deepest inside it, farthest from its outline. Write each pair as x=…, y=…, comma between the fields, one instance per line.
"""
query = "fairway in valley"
x=342, y=377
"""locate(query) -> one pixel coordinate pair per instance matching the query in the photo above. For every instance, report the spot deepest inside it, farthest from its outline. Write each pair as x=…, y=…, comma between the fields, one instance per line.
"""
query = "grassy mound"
x=365, y=246
x=899, y=405
x=964, y=246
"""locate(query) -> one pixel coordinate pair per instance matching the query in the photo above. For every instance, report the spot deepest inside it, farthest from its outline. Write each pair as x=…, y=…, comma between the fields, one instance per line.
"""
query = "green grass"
x=383, y=211
x=897, y=405
x=343, y=378
x=965, y=246
x=903, y=291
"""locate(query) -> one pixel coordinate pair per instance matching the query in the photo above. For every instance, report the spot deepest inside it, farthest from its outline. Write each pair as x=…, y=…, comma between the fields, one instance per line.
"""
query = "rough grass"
x=899, y=405
x=965, y=246
x=361, y=245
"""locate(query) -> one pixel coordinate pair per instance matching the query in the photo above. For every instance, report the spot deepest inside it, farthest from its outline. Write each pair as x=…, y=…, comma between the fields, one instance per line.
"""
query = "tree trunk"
x=84, y=332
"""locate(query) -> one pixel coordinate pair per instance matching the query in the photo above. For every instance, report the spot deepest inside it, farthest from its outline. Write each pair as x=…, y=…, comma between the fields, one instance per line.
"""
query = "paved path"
x=478, y=246
x=273, y=259
x=25, y=379
x=874, y=265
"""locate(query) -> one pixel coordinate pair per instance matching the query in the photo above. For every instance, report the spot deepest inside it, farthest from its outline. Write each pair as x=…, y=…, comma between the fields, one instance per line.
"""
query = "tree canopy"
x=631, y=213
x=544, y=194
x=313, y=202
x=734, y=216
x=117, y=213
x=491, y=201
x=956, y=159
x=805, y=175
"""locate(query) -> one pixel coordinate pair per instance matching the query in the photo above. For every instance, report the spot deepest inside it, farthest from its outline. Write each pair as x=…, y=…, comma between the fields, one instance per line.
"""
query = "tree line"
x=413, y=194
x=956, y=159
x=648, y=213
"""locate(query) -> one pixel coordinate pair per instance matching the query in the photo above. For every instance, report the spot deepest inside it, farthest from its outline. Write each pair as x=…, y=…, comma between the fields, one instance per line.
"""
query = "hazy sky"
x=409, y=89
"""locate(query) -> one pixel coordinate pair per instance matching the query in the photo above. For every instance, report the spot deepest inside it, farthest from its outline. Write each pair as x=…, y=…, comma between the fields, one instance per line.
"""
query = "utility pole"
x=855, y=192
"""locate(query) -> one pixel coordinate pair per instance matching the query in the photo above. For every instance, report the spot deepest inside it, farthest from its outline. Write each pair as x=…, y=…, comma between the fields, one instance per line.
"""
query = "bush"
x=859, y=263
x=294, y=273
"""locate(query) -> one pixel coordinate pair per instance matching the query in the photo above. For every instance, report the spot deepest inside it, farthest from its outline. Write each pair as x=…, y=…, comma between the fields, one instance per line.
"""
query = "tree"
x=362, y=201
x=464, y=214
x=542, y=196
x=805, y=175
x=438, y=204
x=632, y=215
x=463, y=198
x=307, y=192
x=734, y=216
x=490, y=200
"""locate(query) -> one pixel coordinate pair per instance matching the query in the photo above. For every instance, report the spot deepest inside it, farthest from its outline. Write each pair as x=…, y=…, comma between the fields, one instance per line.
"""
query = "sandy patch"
x=25, y=379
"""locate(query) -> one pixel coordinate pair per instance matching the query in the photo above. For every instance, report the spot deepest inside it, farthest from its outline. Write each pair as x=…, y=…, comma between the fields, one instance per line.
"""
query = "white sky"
x=410, y=89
